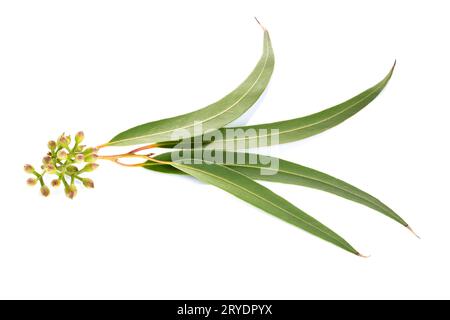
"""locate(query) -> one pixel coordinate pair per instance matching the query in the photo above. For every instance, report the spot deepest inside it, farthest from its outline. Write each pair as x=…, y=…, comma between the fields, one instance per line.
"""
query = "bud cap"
x=31, y=181
x=46, y=160
x=28, y=168
x=71, y=191
x=52, y=145
x=79, y=158
x=88, y=183
x=62, y=155
x=45, y=191
x=50, y=168
x=91, y=157
x=79, y=137
x=55, y=183
x=90, y=167
x=63, y=141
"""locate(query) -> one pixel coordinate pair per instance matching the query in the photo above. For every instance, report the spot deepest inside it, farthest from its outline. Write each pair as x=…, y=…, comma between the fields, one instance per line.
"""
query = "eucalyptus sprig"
x=204, y=144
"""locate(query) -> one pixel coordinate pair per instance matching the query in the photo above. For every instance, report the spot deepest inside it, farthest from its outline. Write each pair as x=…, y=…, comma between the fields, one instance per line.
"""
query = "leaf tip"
x=410, y=229
x=363, y=256
x=264, y=28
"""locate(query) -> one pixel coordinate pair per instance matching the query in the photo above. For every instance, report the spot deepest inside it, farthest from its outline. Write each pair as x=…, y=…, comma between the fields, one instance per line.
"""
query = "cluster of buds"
x=67, y=164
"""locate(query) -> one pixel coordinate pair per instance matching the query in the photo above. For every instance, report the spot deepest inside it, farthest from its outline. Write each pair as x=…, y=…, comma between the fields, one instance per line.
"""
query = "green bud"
x=90, y=167
x=79, y=137
x=31, y=181
x=88, y=183
x=45, y=191
x=71, y=191
x=90, y=150
x=71, y=170
x=28, y=168
x=46, y=160
x=79, y=157
x=52, y=145
x=62, y=155
x=91, y=158
x=63, y=141
x=50, y=168
x=55, y=183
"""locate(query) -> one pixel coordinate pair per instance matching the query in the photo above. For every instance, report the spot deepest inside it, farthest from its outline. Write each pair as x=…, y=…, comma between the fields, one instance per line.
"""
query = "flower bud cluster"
x=67, y=163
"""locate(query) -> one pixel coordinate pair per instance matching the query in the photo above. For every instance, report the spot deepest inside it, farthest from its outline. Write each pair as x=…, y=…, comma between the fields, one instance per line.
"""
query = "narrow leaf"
x=248, y=190
x=211, y=117
x=289, y=173
x=236, y=138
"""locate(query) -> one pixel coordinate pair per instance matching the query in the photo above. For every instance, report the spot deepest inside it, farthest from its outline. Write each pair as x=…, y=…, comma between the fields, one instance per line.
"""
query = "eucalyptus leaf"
x=248, y=190
x=289, y=173
x=212, y=117
x=301, y=128
x=290, y=130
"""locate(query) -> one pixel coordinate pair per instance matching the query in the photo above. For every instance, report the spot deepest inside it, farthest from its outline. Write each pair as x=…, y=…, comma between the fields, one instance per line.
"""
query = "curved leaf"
x=290, y=130
x=248, y=190
x=290, y=173
x=211, y=117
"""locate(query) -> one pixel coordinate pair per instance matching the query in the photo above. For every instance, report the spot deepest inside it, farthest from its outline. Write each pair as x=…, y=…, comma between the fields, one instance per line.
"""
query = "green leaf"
x=248, y=190
x=290, y=130
x=289, y=173
x=211, y=117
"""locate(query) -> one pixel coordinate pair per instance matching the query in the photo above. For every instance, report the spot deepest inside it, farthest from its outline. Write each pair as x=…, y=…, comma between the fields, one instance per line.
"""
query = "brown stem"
x=129, y=165
x=101, y=146
x=150, y=146
x=130, y=154
x=115, y=158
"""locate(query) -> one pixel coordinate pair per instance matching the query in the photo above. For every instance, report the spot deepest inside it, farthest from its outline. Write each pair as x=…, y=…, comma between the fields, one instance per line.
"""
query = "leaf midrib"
x=267, y=201
x=303, y=127
x=216, y=115
x=314, y=179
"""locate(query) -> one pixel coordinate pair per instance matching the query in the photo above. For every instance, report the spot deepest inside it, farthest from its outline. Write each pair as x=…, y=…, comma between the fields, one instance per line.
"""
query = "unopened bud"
x=79, y=157
x=28, y=168
x=91, y=158
x=55, y=183
x=90, y=150
x=71, y=191
x=63, y=141
x=90, y=167
x=62, y=155
x=50, y=168
x=46, y=160
x=52, y=145
x=45, y=191
x=79, y=137
x=88, y=183
x=31, y=181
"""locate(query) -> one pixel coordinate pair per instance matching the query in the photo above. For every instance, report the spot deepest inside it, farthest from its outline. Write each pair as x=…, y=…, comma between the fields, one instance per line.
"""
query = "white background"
x=104, y=66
